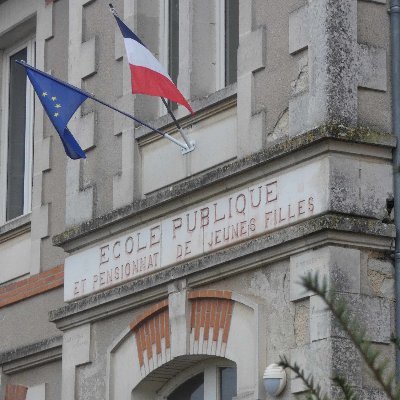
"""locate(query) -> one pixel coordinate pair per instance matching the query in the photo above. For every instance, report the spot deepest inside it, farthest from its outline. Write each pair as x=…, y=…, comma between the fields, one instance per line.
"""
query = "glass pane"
x=173, y=40
x=231, y=40
x=193, y=389
x=16, y=137
x=227, y=383
x=173, y=44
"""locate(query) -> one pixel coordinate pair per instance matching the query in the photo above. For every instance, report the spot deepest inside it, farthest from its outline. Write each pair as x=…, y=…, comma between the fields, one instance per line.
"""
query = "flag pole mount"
x=190, y=144
x=190, y=148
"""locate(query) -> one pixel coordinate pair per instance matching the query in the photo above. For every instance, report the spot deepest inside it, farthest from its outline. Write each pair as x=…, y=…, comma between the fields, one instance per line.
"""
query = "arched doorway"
x=214, y=378
x=210, y=336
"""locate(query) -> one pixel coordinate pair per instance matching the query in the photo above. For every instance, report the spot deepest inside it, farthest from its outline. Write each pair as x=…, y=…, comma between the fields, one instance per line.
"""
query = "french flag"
x=148, y=75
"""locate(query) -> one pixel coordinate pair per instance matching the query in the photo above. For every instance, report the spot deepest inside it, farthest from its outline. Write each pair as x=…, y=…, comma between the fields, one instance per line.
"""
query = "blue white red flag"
x=148, y=75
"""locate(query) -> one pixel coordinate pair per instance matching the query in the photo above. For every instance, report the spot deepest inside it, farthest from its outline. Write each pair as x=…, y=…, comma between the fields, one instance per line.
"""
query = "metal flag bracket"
x=191, y=147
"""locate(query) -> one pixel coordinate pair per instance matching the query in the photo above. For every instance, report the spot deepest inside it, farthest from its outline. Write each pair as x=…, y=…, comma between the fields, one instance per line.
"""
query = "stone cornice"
x=322, y=230
x=16, y=227
x=31, y=355
x=220, y=174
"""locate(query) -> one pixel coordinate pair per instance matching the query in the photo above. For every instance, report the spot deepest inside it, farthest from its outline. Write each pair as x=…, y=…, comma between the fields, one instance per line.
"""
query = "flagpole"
x=190, y=145
x=93, y=97
x=166, y=135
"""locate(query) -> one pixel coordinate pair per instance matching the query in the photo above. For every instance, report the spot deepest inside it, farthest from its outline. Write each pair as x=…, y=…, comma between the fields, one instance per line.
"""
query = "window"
x=16, y=134
x=214, y=382
x=227, y=42
x=173, y=39
x=192, y=389
x=169, y=43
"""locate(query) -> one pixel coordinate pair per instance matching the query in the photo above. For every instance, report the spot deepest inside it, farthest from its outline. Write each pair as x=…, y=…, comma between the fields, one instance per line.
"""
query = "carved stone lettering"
x=249, y=212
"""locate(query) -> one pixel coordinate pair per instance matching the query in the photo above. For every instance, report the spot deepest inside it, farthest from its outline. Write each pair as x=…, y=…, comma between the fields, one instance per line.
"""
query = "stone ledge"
x=220, y=173
x=15, y=227
x=202, y=108
x=238, y=253
x=30, y=350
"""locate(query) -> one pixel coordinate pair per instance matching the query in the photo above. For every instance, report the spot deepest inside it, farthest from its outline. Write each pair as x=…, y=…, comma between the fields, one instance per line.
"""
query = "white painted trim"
x=220, y=44
x=30, y=112
x=163, y=48
x=29, y=43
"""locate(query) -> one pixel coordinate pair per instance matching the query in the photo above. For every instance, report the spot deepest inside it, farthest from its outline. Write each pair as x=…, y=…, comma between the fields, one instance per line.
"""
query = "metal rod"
x=93, y=97
x=395, y=48
x=166, y=135
x=188, y=144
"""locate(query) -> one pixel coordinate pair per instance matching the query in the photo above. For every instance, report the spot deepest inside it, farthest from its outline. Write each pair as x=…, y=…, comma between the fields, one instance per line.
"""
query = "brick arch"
x=152, y=333
x=188, y=328
x=210, y=321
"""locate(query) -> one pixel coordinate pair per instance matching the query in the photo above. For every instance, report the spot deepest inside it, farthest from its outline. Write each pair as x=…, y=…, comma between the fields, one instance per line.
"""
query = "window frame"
x=221, y=66
x=28, y=43
x=210, y=369
x=164, y=47
x=164, y=43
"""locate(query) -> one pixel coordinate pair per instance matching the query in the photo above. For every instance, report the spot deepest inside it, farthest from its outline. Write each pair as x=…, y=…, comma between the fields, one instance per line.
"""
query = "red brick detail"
x=210, y=313
x=15, y=392
x=150, y=328
x=32, y=286
x=47, y=2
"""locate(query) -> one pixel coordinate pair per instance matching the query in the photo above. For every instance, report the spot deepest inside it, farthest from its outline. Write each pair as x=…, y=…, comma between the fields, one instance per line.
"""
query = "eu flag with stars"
x=60, y=100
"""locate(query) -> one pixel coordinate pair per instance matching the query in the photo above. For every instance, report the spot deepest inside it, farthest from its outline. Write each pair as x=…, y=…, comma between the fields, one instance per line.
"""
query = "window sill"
x=203, y=108
x=16, y=227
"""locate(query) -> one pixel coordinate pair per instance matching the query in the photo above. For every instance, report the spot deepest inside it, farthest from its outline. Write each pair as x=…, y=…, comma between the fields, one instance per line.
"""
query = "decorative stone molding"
x=251, y=58
x=341, y=267
x=125, y=182
x=41, y=163
x=14, y=16
x=81, y=64
x=145, y=347
x=336, y=65
x=76, y=352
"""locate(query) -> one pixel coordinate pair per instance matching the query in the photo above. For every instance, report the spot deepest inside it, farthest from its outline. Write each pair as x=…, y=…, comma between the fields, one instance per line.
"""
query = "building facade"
x=144, y=273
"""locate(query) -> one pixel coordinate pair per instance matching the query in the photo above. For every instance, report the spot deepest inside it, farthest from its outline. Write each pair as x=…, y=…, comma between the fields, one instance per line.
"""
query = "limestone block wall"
x=156, y=344
x=41, y=382
x=365, y=281
x=300, y=65
x=81, y=64
x=125, y=183
x=252, y=55
x=17, y=24
x=334, y=61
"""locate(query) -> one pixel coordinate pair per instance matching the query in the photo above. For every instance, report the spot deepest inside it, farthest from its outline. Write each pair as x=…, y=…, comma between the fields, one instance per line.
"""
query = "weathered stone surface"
x=372, y=314
x=221, y=258
x=76, y=351
x=325, y=359
x=31, y=349
x=302, y=323
x=220, y=173
x=340, y=266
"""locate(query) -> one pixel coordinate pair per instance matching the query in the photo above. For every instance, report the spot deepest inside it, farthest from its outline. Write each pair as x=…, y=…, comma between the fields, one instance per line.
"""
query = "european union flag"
x=60, y=100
